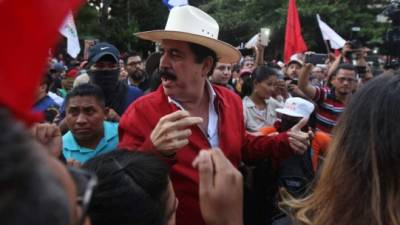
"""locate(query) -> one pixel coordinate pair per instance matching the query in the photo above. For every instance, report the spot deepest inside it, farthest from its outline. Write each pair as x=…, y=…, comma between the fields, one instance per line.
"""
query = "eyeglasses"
x=85, y=182
x=134, y=63
x=343, y=79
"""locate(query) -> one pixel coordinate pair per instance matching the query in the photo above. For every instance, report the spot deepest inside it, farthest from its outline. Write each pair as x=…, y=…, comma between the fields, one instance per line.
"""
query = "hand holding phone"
x=264, y=35
x=315, y=58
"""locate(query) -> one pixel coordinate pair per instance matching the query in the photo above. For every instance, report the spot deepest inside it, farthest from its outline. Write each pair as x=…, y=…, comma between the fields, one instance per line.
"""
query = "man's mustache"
x=168, y=75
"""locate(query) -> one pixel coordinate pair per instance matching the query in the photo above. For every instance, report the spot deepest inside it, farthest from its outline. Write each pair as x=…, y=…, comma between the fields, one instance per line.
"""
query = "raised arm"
x=259, y=50
x=304, y=83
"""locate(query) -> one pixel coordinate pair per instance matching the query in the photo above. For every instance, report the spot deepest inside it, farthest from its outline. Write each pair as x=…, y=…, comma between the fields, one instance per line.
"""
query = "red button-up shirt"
x=143, y=115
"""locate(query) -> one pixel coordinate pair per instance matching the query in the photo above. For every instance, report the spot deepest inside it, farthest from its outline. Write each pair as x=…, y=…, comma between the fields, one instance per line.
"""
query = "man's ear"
x=106, y=111
x=207, y=65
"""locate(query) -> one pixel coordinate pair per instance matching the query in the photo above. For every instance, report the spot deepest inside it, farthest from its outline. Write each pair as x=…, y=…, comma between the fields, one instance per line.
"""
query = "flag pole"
x=328, y=50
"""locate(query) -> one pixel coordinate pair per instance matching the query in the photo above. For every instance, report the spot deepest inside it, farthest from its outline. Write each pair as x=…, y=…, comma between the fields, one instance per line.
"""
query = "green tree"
x=240, y=19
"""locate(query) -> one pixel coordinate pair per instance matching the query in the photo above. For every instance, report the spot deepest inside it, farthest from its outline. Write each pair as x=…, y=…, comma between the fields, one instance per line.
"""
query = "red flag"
x=29, y=29
x=294, y=42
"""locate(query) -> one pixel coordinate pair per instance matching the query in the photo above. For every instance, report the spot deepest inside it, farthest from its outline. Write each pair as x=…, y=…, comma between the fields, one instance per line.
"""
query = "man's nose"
x=165, y=61
x=81, y=118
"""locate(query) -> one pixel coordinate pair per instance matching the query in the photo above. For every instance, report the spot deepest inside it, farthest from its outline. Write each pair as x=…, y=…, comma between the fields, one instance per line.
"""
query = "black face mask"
x=287, y=122
x=286, y=125
x=106, y=79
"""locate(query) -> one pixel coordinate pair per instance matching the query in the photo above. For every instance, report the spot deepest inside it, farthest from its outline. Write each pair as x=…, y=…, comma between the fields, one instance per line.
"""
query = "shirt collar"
x=248, y=103
x=71, y=144
x=109, y=131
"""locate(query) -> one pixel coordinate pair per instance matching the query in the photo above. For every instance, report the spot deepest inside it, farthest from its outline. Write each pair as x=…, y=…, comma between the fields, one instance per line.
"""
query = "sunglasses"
x=85, y=182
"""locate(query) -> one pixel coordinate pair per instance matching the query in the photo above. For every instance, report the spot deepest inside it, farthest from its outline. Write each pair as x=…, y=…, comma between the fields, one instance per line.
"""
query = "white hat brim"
x=226, y=53
x=288, y=112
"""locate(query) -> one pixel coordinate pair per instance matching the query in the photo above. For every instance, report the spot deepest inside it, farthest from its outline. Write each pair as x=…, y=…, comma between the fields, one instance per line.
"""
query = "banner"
x=68, y=30
x=328, y=34
x=29, y=29
x=294, y=42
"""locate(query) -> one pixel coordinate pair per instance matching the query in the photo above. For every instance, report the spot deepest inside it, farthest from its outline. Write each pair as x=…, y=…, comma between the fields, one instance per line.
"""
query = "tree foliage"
x=239, y=20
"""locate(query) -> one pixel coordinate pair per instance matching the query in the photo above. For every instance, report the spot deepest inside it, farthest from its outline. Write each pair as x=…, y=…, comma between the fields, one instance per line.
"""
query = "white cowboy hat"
x=190, y=24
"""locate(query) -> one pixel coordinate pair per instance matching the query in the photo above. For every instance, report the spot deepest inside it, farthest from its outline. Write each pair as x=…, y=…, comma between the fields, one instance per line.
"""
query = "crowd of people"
x=199, y=134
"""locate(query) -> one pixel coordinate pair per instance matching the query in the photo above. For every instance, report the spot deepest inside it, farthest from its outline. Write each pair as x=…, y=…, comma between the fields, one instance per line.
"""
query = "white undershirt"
x=212, y=127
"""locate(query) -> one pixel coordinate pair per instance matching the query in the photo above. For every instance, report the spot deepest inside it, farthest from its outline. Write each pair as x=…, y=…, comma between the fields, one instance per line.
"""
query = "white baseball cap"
x=297, y=107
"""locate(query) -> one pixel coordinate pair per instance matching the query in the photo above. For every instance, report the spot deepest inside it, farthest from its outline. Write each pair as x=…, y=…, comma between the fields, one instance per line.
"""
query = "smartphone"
x=265, y=33
x=295, y=82
x=316, y=58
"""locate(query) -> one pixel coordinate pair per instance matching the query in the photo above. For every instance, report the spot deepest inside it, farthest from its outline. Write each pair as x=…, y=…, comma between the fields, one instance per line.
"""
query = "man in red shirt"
x=187, y=113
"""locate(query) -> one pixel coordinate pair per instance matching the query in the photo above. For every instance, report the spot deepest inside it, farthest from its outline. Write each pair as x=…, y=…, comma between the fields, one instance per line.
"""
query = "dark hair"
x=344, y=66
x=260, y=74
x=246, y=60
x=131, y=189
x=236, y=68
x=29, y=191
x=202, y=53
x=87, y=89
x=363, y=160
x=131, y=54
x=47, y=80
x=154, y=80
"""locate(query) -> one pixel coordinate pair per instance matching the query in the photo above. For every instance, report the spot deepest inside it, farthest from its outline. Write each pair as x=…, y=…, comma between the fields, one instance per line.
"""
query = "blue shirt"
x=132, y=94
x=109, y=142
x=45, y=103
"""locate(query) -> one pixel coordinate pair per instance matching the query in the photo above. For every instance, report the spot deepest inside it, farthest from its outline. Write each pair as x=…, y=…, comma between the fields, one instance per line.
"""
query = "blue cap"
x=58, y=67
x=101, y=49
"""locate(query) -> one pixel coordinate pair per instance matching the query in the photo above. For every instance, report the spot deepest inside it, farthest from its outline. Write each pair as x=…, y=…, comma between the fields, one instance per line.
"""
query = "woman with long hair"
x=258, y=106
x=360, y=181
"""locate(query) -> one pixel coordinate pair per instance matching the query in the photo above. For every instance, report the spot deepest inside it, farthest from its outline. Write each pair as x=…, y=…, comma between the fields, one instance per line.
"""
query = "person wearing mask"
x=103, y=69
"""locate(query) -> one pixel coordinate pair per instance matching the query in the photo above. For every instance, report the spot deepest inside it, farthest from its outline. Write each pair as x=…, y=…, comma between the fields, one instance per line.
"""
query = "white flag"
x=252, y=42
x=68, y=30
x=330, y=35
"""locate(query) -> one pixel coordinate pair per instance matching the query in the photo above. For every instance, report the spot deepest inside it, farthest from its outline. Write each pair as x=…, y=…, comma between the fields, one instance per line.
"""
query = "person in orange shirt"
x=294, y=110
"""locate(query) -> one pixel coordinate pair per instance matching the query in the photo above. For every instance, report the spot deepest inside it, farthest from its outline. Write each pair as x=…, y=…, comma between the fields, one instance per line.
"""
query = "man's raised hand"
x=172, y=132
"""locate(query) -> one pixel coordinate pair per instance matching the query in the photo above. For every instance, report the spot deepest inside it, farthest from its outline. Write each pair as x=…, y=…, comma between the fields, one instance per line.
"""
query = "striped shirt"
x=329, y=109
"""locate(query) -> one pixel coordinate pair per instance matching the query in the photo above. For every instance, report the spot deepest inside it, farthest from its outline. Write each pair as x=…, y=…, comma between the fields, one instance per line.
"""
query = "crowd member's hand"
x=220, y=189
x=112, y=115
x=308, y=67
x=346, y=48
x=172, y=132
x=258, y=46
x=299, y=141
x=293, y=88
x=123, y=74
x=280, y=88
x=74, y=163
x=48, y=135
